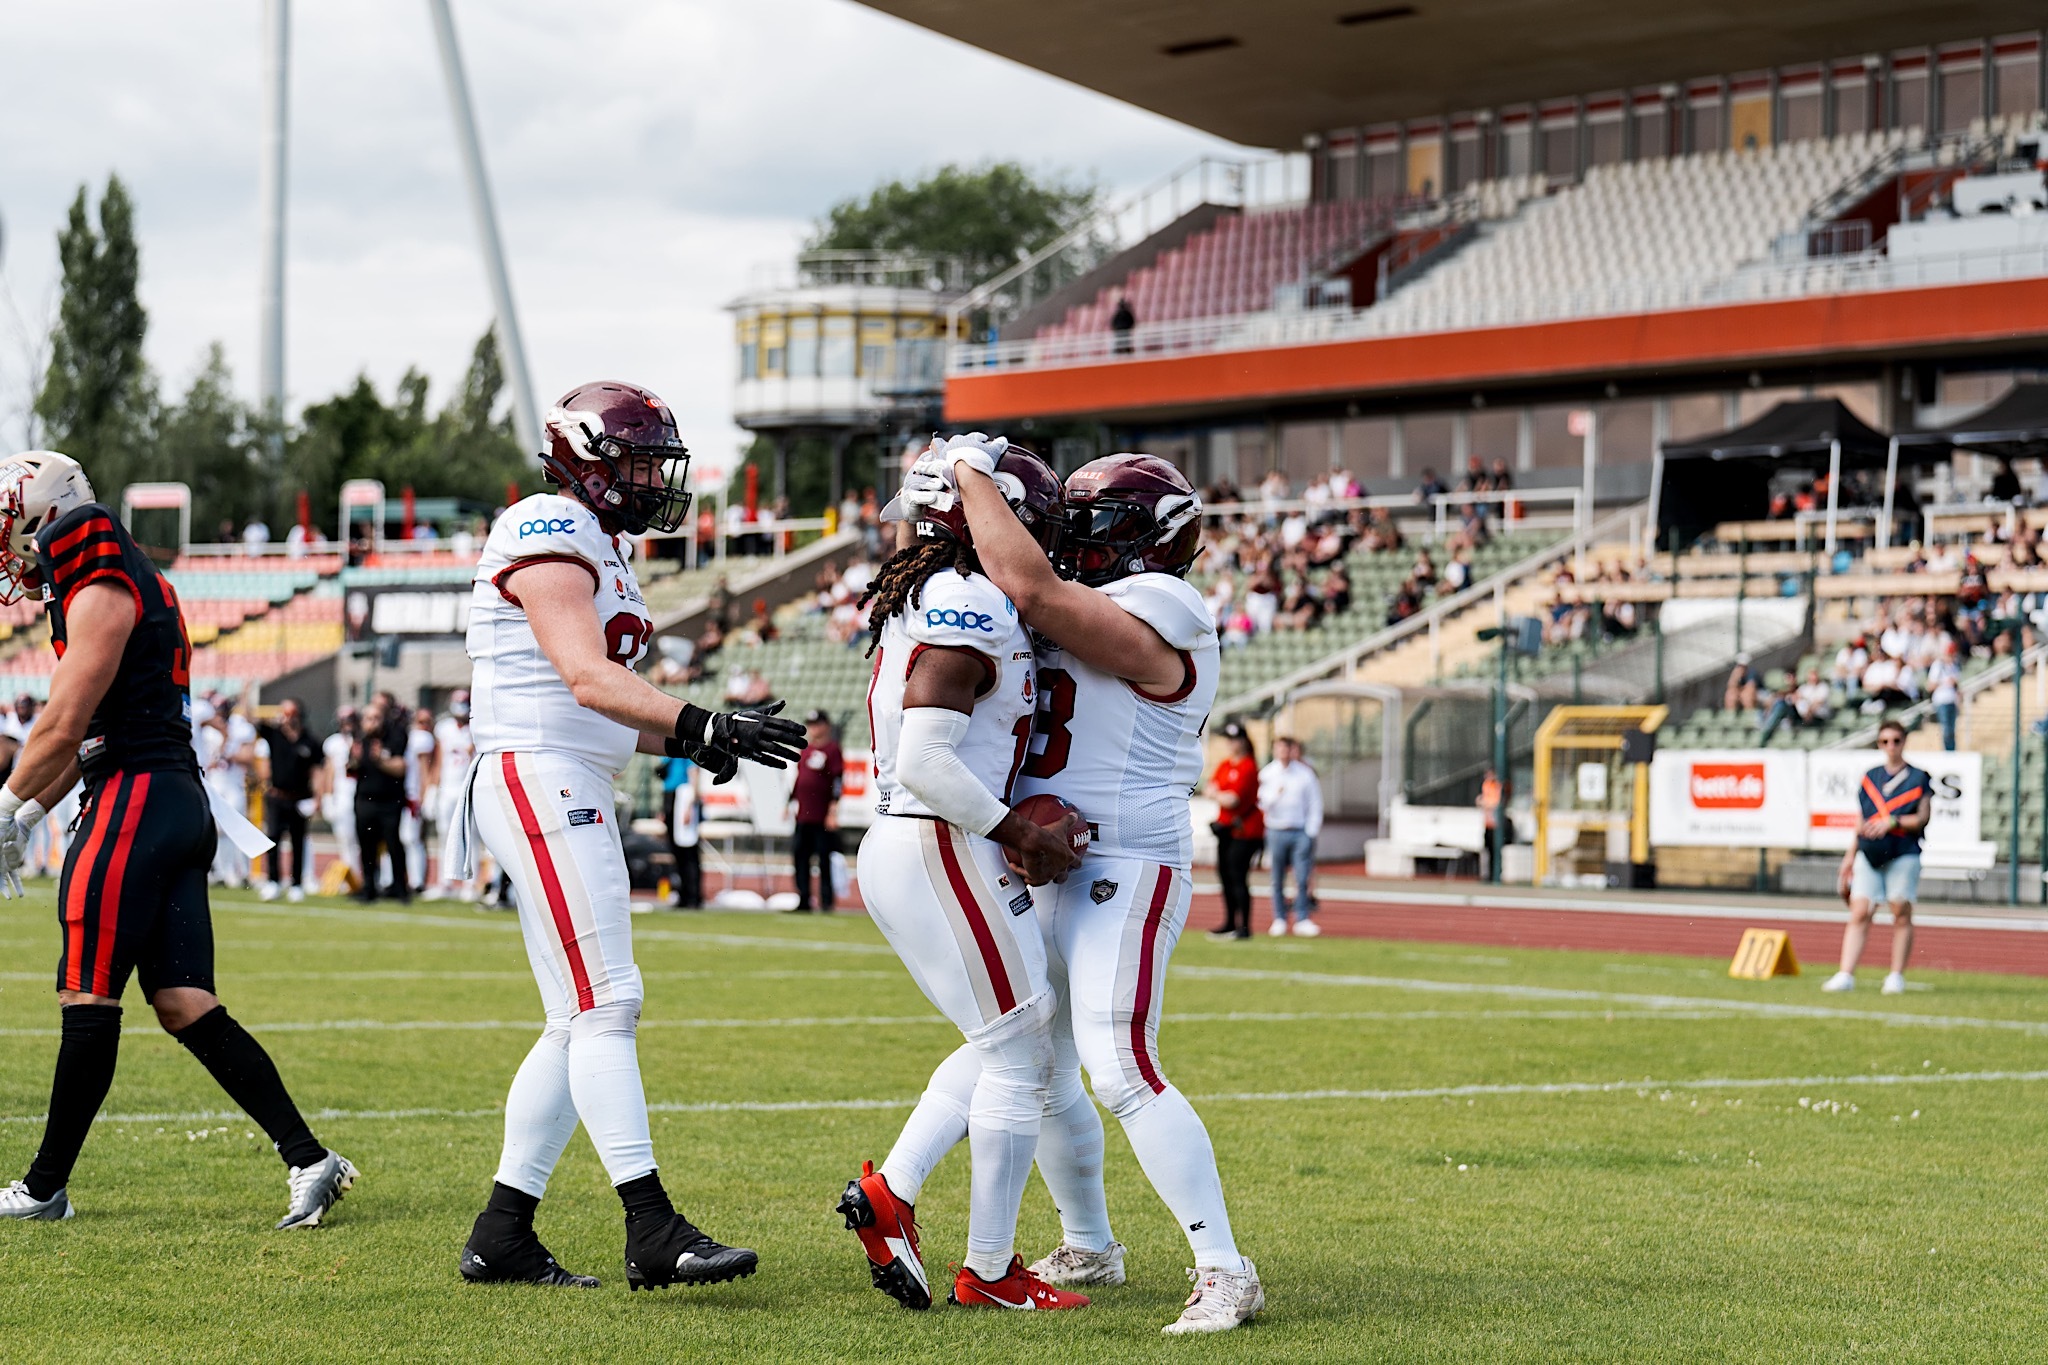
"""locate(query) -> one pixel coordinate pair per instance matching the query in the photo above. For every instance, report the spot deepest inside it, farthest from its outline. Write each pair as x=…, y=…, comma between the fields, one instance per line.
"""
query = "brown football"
x=1048, y=812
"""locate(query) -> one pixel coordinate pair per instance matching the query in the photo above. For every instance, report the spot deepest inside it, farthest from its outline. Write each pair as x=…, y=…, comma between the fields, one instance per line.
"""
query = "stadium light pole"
x=525, y=415
x=270, y=196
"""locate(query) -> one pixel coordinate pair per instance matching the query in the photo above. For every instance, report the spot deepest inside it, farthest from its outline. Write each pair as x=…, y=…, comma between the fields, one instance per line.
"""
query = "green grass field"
x=1432, y=1152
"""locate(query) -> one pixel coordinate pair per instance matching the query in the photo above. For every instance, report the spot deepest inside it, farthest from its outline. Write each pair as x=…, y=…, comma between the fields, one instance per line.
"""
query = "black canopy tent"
x=1726, y=477
x=2014, y=427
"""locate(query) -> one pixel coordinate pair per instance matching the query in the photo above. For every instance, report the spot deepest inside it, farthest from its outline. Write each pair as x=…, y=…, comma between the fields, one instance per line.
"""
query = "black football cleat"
x=887, y=1228
x=498, y=1257
x=665, y=1251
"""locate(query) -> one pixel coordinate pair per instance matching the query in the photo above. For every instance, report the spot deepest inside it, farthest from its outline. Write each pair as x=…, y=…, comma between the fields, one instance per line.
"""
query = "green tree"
x=989, y=216
x=97, y=398
x=210, y=440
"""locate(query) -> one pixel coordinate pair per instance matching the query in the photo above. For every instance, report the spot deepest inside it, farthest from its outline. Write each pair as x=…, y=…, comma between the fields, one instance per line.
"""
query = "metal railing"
x=1344, y=662
x=1258, y=182
x=1871, y=272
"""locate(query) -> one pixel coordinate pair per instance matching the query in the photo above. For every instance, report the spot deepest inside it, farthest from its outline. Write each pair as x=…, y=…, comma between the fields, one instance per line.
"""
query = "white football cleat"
x=1279, y=928
x=317, y=1188
x=1071, y=1265
x=17, y=1202
x=1894, y=984
x=1222, y=1300
x=266, y=891
x=295, y=894
x=1308, y=928
x=1840, y=981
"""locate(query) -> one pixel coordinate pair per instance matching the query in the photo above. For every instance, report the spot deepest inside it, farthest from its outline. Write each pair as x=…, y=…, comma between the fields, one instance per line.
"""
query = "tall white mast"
x=525, y=415
x=270, y=194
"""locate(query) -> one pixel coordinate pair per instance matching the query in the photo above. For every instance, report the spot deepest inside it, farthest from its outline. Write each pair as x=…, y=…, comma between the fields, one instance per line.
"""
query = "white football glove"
x=929, y=484
x=975, y=450
x=16, y=823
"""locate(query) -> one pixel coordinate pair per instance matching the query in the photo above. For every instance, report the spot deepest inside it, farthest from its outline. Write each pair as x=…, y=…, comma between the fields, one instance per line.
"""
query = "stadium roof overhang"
x=1266, y=73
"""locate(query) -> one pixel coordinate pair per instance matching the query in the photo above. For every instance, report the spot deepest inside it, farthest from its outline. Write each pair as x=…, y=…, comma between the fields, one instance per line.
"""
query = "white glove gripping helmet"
x=36, y=488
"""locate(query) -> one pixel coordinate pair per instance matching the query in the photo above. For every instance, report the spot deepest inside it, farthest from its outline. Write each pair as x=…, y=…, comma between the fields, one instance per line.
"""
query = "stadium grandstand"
x=1691, y=368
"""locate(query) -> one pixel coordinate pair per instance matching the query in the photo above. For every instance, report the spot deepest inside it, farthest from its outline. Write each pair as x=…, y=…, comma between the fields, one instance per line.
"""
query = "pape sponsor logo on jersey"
x=962, y=618
x=546, y=526
x=1727, y=786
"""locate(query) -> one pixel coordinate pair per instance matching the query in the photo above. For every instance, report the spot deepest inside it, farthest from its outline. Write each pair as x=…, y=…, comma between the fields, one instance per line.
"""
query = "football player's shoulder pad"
x=961, y=611
x=1167, y=604
x=548, y=525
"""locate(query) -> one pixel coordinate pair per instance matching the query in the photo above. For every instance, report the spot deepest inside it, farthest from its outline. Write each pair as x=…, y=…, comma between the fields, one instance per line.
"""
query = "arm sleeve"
x=928, y=764
x=82, y=548
x=1314, y=824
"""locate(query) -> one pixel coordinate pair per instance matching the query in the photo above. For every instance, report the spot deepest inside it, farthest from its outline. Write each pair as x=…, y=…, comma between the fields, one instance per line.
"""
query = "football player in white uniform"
x=950, y=708
x=556, y=625
x=1127, y=672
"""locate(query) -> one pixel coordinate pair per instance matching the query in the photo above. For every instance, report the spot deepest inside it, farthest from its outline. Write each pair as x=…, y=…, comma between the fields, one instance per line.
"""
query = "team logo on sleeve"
x=962, y=619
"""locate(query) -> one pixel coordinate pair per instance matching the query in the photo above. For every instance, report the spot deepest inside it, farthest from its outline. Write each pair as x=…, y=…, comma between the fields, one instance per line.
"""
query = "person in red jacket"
x=1240, y=831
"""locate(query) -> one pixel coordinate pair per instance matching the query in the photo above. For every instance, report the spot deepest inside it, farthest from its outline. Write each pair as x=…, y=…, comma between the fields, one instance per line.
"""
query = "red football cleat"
x=1018, y=1288
x=888, y=1234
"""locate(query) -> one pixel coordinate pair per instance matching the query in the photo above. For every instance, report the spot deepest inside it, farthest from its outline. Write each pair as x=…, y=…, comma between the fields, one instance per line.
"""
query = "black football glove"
x=755, y=733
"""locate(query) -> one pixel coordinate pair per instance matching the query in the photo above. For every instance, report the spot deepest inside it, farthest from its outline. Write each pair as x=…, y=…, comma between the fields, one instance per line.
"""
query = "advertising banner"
x=1728, y=798
x=1834, y=775
x=416, y=611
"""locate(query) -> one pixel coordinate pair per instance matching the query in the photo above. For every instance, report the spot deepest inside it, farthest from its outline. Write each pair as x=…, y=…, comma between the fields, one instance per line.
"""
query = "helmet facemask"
x=659, y=504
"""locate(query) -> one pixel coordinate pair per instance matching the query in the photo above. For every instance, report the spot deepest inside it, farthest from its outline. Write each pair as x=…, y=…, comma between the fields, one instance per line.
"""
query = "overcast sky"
x=647, y=155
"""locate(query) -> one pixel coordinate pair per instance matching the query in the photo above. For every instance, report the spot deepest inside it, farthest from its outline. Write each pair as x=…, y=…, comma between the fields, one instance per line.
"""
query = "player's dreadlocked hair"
x=901, y=579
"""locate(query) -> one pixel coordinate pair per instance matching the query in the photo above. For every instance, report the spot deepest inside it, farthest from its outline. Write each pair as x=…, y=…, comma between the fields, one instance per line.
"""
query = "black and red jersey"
x=144, y=722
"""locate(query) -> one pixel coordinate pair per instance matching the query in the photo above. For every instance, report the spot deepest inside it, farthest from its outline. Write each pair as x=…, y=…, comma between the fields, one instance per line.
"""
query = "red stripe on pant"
x=1148, y=947
x=551, y=884
x=103, y=804
x=977, y=923
x=110, y=888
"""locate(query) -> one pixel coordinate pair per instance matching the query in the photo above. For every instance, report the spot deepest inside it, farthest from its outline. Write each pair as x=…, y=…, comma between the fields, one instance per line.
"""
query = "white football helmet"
x=36, y=488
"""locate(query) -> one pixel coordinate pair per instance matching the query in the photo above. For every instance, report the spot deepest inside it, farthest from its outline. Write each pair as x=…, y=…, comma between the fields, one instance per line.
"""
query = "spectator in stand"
x=1743, y=683
x=1457, y=574
x=1299, y=609
x=1406, y=601
x=1291, y=799
x=1121, y=323
x=819, y=772
x=289, y=792
x=1850, y=661
x=1336, y=590
x=1944, y=679
x=255, y=536
x=1430, y=488
x=681, y=811
x=296, y=541
x=1424, y=572
x=1474, y=480
x=1262, y=598
x=1240, y=830
x=1886, y=682
x=1807, y=703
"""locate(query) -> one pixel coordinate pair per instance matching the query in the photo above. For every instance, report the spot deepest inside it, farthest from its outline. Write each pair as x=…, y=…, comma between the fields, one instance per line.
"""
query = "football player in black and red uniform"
x=132, y=896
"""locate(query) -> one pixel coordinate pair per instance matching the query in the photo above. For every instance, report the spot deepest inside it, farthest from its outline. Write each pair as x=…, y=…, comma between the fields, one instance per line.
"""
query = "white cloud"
x=646, y=157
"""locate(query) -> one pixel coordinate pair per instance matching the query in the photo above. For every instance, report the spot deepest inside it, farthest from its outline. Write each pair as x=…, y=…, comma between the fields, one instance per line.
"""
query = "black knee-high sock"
x=246, y=1072
x=644, y=1198
x=85, y=1068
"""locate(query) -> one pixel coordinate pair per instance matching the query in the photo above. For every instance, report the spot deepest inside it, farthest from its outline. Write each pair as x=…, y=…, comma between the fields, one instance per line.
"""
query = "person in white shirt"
x=422, y=783
x=1943, y=679
x=226, y=767
x=1291, y=795
x=1850, y=661
x=456, y=749
x=338, y=798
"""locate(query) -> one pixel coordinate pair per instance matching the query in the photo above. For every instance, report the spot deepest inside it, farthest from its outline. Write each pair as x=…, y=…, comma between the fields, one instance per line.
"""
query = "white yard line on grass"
x=1539, y=1088
x=1770, y=1009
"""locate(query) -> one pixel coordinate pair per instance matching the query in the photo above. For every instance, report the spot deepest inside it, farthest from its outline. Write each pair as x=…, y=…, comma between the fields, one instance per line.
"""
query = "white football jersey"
x=517, y=700
x=1128, y=759
x=955, y=612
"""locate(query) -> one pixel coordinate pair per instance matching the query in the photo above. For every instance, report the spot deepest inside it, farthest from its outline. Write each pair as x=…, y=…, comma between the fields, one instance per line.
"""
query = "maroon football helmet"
x=615, y=449
x=1029, y=486
x=1129, y=514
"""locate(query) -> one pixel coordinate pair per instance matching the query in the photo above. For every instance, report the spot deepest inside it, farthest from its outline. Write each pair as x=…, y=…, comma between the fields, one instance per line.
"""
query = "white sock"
x=540, y=1114
x=936, y=1126
x=1002, y=1165
x=604, y=1076
x=1173, y=1147
x=1070, y=1162
x=1002, y=1131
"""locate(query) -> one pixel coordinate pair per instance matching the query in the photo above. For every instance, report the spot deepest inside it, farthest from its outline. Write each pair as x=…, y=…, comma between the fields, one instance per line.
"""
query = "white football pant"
x=962, y=923
x=547, y=820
